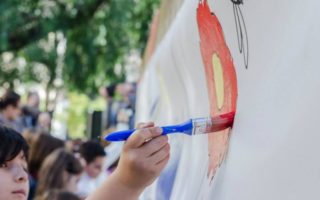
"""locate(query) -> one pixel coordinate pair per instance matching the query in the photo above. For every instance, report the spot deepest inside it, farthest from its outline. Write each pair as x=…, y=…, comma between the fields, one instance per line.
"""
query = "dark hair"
x=55, y=194
x=90, y=150
x=9, y=98
x=42, y=144
x=111, y=89
x=54, y=169
x=11, y=144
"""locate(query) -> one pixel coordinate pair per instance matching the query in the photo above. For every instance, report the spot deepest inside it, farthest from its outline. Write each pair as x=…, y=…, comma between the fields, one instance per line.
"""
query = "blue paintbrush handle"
x=124, y=135
x=119, y=135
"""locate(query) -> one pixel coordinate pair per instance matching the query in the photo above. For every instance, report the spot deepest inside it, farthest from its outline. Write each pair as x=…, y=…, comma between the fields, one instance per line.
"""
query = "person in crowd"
x=44, y=121
x=10, y=110
x=125, y=116
x=109, y=93
x=120, y=99
x=93, y=156
x=30, y=111
x=143, y=157
x=60, y=170
x=41, y=145
x=14, y=182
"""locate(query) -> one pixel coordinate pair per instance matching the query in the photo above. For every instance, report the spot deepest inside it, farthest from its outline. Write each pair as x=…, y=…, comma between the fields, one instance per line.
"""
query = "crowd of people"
x=71, y=169
x=22, y=117
x=143, y=157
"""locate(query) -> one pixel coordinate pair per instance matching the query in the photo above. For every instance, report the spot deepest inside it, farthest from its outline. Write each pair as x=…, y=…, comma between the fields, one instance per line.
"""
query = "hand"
x=144, y=155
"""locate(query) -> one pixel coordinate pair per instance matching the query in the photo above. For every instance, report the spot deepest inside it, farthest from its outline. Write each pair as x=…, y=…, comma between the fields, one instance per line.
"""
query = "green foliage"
x=98, y=34
x=77, y=112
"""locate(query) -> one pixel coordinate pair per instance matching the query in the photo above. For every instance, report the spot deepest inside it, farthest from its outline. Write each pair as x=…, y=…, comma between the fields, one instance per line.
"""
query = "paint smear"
x=220, y=77
x=218, y=80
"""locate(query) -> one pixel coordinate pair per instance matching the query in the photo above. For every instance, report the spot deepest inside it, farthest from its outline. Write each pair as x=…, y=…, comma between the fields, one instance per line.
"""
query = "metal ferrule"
x=201, y=125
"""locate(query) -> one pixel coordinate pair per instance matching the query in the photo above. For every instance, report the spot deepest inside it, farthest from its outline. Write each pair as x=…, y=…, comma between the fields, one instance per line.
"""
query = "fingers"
x=161, y=155
x=155, y=144
x=145, y=125
x=161, y=165
x=139, y=137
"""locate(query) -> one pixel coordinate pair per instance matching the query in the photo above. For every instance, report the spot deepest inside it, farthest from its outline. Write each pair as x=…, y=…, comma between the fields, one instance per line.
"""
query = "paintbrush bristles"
x=212, y=124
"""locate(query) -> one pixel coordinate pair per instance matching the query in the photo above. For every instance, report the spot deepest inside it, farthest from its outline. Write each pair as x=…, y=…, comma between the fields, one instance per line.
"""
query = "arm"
x=140, y=164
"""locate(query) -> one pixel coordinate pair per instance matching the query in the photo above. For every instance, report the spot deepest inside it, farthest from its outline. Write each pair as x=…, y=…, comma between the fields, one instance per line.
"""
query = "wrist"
x=128, y=187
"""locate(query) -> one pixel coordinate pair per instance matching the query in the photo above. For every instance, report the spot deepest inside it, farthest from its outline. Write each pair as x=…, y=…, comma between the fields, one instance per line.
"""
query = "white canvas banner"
x=274, y=143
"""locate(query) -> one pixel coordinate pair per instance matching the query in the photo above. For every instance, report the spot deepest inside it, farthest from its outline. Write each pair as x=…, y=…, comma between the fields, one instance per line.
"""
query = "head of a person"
x=56, y=194
x=93, y=154
x=33, y=99
x=109, y=91
x=41, y=145
x=124, y=89
x=10, y=105
x=44, y=120
x=14, y=183
x=60, y=170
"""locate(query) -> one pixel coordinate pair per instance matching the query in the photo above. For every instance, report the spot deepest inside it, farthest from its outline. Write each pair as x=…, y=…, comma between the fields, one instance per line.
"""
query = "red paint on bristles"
x=222, y=122
x=229, y=115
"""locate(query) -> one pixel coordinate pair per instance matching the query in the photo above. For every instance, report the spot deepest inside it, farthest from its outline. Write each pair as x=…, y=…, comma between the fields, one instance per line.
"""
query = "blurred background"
x=68, y=72
x=67, y=51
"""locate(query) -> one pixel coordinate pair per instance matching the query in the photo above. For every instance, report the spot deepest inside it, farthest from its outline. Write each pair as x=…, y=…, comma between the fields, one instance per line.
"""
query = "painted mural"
x=200, y=66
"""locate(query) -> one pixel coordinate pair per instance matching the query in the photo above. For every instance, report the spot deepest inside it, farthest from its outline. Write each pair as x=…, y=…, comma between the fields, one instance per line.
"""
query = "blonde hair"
x=54, y=169
x=57, y=195
x=42, y=144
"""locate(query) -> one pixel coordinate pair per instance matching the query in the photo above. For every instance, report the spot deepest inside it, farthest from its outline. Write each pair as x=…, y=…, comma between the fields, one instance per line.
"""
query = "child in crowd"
x=60, y=170
x=14, y=182
x=41, y=145
x=93, y=155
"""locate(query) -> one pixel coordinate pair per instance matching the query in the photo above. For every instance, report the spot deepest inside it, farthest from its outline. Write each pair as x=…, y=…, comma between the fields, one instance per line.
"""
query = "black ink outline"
x=237, y=2
x=242, y=34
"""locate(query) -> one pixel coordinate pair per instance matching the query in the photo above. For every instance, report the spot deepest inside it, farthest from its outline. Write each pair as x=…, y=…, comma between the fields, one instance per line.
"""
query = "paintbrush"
x=191, y=127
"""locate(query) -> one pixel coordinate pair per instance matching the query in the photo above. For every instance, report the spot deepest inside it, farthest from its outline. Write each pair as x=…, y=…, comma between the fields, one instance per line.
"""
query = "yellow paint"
x=218, y=80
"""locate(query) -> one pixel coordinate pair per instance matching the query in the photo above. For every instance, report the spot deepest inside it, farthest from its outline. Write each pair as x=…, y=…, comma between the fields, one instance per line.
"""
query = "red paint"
x=221, y=122
x=229, y=115
x=212, y=41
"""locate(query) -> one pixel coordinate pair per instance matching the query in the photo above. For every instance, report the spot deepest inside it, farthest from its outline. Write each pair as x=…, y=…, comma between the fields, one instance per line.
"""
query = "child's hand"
x=143, y=157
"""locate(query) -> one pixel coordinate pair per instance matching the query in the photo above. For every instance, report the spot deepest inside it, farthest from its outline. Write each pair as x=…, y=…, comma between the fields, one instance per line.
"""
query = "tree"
x=98, y=34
